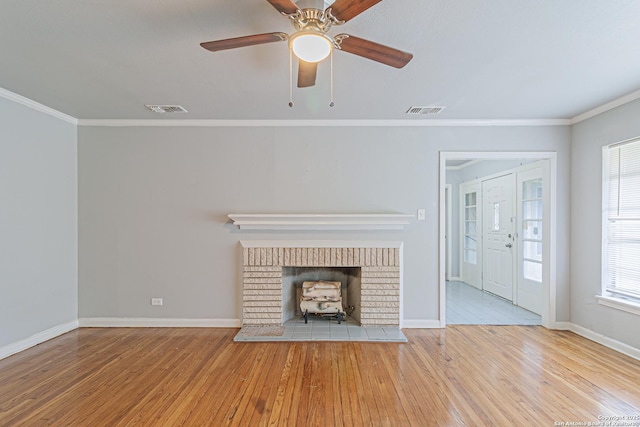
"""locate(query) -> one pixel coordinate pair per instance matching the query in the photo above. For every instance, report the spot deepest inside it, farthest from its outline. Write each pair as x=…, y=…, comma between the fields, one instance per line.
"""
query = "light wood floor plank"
x=462, y=375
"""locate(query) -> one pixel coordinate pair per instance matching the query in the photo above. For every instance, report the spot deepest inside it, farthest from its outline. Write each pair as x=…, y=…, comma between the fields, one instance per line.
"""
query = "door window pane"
x=532, y=250
x=470, y=228
x=470, y=199
x=532, y=209
x=532, y=189
x=470, y=214
x=470, y=243
x=532, y=229
x=533, y=271
x=470, y=257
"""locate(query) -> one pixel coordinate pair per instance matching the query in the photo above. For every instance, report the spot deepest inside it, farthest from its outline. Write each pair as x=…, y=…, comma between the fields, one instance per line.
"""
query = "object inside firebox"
x=322, y=298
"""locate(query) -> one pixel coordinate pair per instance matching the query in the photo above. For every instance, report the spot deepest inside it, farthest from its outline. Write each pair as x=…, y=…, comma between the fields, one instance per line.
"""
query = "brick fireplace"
x=380, y=265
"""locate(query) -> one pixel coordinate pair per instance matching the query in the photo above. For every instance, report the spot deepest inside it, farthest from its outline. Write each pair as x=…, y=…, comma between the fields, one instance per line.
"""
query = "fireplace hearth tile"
x=319, y=329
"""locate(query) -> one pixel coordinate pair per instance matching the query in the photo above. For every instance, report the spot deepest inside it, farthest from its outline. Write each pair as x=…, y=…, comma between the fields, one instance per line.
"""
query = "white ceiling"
x=492, y=59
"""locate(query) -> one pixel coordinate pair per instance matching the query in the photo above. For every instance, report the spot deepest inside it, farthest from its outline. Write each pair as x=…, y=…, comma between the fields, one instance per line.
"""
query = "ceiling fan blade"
x=374, y=51
x=284, y=6
x=346, y=10
x=307, y=73
x=233, y=43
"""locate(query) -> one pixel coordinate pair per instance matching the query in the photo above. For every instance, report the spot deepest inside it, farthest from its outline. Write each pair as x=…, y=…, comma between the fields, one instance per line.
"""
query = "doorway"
x=514, y=260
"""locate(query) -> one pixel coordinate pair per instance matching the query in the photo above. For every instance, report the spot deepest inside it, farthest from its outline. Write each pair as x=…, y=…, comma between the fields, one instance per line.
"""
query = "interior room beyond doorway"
x=495, y=242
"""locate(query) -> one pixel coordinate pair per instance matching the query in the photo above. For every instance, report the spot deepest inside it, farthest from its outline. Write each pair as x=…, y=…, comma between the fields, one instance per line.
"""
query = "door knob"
x=508, y=245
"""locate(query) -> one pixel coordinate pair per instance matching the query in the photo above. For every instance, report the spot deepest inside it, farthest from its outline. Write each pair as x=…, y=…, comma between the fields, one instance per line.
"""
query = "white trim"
x=605, y=107
x=421, y=324
x=600, y=339
x=322, y=123
x=320, y=221
x=36, y=339
x=619, y=304
x=37, y=106
x=320, y=244
x=464, y=165
x=442, y=306
x=496, y=155
x=146, y=322
x=449, y=194
x=561, y=326
x=455, y=279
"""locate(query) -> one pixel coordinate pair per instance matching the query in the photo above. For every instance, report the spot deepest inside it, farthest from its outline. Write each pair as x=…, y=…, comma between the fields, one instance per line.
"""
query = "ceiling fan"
x=310, y=42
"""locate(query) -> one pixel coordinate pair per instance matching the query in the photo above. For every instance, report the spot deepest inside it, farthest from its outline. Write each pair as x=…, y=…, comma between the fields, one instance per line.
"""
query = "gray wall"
x=38, y=222
x=153, y=205
x=588, y=138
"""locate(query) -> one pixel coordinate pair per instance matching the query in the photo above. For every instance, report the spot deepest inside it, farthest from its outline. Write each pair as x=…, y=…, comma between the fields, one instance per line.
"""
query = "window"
x=621, y=222
x=470, y=229
x=531, y=231
x=496, y=217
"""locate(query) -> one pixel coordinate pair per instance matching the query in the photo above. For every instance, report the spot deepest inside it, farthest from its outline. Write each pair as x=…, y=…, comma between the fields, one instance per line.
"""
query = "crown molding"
x=321, y=123
x=37, y=106
x=464, y=165
x=605, y=107
x=4, y=93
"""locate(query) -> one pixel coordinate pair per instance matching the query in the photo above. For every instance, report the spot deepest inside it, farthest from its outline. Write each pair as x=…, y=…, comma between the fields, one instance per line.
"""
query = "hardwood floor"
x=463, y=375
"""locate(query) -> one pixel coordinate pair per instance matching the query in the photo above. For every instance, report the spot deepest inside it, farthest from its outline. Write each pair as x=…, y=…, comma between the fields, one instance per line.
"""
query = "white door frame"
x=449, y=218
x=549, y=256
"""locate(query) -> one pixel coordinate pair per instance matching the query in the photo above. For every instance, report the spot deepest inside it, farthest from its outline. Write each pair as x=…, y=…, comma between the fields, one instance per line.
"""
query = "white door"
x=498, y=236
x=530, y=224
x=471, y=255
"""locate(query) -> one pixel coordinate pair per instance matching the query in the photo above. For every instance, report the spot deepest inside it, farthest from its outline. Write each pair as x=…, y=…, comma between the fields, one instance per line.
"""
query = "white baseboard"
x=36, y=339
x=600, y=339
x=144, y=322
x=455, y=279
x=421, y=324
x=561, y=326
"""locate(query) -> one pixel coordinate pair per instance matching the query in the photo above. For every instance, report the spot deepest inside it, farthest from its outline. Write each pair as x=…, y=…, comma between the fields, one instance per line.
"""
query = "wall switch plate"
x=422, y=214
x=156, y=301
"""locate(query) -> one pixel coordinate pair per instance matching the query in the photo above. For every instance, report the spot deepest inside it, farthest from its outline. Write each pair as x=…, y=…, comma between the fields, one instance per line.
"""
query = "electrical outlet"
x=422, y=214
x=156, y=301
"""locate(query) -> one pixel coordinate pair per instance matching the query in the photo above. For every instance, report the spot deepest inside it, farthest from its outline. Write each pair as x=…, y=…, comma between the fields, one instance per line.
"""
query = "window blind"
x=623, y=220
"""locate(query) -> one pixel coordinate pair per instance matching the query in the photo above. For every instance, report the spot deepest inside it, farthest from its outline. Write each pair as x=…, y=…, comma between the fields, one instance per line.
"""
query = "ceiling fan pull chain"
x=331, y=104
x=290, y=77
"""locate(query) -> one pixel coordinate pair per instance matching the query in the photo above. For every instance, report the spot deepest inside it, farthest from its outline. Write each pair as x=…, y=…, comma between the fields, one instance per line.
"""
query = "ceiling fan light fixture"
x=311, y=46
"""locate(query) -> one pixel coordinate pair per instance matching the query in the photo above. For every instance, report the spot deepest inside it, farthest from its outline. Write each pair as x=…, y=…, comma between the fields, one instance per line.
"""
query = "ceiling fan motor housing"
x=313, y=19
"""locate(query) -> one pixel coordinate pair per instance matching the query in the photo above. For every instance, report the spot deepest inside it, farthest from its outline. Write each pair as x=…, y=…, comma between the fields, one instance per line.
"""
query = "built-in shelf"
x=321, y=221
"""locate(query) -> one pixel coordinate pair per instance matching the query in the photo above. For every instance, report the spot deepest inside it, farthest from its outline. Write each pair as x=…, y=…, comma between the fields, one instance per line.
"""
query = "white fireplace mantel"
x=321, y=244
x=321, y=221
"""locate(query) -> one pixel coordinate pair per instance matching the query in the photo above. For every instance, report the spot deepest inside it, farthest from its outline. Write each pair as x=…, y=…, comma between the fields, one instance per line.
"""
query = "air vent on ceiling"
x=166, y=108
x=425, y=110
